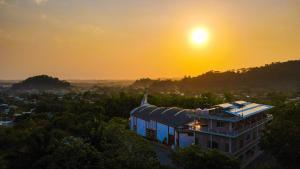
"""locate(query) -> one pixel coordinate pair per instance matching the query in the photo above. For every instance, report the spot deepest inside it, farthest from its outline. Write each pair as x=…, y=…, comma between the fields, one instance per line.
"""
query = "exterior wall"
x=224, y=128
x=132, y=122
x=171, y=131
x=185, y=140
x=247, y=140
x=239, y=139
x=152, y=125
x=162, y=132
x=206, y=141
x=141, y=127
x=202, y=139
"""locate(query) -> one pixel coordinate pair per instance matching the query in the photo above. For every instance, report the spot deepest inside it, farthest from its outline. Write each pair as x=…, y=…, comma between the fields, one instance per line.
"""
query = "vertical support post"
x=168, y=138
x=175, y=137
x=230, y=151
x=210, y=133
x=230, y=127
x=194, y=128
x=178, y=139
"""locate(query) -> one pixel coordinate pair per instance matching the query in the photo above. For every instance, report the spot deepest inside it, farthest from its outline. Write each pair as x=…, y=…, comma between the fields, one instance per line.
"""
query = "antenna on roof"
x=145, y=98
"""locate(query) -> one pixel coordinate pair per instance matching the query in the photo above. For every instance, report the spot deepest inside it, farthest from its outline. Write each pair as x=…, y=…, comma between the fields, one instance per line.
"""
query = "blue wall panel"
x=185, y=140
x=141, y=127
x=162, y=132
x=171, y=131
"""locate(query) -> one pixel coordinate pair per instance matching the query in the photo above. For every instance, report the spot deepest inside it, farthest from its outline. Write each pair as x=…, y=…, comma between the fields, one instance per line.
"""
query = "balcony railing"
x=233, y=133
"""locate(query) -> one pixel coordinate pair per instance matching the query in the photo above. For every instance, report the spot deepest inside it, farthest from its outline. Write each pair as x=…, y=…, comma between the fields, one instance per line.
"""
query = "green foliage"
x=76, y=133
x=202, y=101
x=69, y=153
x=282, y=136
x=228, y=97
x=194, y=157
x=131, y=151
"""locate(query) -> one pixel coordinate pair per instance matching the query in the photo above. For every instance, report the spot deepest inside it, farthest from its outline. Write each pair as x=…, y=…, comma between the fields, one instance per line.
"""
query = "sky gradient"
x=118, y=39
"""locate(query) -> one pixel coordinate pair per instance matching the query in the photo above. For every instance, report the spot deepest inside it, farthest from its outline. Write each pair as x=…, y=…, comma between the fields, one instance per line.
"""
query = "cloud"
x=43, y=16
x=2, y=2
x=95, y=29
x=39, y=2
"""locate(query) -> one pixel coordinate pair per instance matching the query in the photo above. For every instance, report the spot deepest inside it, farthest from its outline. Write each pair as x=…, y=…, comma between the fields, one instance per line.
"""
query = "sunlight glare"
x=199, y=36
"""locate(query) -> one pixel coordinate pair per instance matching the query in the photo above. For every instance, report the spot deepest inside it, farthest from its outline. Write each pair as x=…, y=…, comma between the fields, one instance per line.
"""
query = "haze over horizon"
x=115, y=39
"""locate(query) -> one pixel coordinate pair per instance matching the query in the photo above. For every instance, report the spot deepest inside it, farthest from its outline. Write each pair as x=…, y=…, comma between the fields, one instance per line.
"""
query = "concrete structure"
x=168, y=125
x=233, y=128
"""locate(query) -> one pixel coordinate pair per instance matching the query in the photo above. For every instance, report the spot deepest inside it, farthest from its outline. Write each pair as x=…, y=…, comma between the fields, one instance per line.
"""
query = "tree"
x=282, y=137
x=71, y=153
x=228, y=97
x=194, y=157
x=124, y=149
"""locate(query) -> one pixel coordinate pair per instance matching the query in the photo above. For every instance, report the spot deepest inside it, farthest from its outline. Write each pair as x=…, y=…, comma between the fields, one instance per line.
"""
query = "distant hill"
x=41, y=82
x=275, y=76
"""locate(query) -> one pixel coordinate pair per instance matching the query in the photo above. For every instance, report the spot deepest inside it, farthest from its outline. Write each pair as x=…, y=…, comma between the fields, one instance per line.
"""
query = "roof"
x=225, y=105
x=174, y=116
x=171, y=116
x=241, y=102
x=244, y=109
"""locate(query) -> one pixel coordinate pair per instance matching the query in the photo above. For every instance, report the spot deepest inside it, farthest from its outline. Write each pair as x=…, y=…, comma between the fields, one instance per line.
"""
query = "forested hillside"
x=41, y=82
x=275, y=76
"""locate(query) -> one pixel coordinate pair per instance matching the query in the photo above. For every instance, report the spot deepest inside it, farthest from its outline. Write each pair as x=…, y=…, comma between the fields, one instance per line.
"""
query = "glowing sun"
x=199, y=36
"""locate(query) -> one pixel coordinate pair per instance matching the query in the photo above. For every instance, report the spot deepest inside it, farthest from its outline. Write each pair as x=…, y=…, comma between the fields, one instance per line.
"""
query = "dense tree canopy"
x=75, y=133
x=282, y=136
x=194, y=157
x=95, y=126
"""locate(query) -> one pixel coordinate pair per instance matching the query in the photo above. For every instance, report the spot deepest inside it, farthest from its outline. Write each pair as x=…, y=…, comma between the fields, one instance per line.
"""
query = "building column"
x=194, y=137
x=210, y=127
x=230, y=151
x=168, y=138
x=230, y=126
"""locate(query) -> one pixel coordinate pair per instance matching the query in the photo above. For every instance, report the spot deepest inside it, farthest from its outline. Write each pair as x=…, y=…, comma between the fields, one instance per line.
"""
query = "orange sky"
x=118, y=39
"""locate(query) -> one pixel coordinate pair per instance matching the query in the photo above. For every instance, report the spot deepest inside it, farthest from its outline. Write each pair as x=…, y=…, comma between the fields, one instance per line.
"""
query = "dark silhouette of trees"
x=194, y=157
x=282, y=137
x=275, y=76
x=41, y=82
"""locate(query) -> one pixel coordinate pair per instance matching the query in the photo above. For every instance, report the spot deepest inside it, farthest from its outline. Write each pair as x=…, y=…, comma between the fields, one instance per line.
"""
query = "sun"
x=199, y=36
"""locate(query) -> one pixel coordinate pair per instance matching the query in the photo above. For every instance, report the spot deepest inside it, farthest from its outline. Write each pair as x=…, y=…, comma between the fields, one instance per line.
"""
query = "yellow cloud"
x=40, y=1
x=2, y=2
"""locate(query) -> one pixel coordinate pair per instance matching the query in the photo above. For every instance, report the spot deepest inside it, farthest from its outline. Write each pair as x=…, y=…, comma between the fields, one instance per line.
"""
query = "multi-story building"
x=234, y=128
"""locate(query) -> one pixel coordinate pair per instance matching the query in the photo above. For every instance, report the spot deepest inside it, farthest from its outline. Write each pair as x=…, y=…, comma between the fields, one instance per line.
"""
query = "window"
x=208, y=144
x=226, y=147
x=254, y=135
x=196, y=140
x=215, y=145
x=241, y=157
x=241, y=143
x=190, y=134
x=248, y=137
x=220, y=124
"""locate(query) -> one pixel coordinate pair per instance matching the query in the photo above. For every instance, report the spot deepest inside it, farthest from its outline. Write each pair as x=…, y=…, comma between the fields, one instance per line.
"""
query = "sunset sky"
x=130, y=39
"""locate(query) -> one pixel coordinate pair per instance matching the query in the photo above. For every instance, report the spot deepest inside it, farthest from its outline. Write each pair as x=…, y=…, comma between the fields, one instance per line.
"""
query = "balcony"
x=233, y=133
